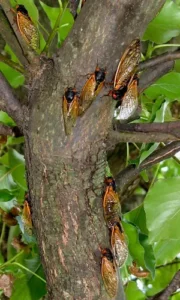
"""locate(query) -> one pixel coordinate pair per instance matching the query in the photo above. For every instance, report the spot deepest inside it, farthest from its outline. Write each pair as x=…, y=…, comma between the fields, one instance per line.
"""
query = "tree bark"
x=66, y=174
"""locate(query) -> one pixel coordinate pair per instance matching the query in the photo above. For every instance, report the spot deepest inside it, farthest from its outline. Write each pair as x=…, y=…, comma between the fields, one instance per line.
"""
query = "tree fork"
x=66, y=175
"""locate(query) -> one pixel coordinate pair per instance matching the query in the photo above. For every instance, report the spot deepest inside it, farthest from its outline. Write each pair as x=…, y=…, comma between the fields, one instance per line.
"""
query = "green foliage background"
x=152, y=228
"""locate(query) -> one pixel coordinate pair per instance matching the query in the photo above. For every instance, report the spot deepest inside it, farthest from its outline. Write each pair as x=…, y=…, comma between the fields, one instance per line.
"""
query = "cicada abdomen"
x=127, y=65
x=27, y=28
x=70, y=108
x=111, y=204
x=119, y=245
x=92, y=88
x=109, y=273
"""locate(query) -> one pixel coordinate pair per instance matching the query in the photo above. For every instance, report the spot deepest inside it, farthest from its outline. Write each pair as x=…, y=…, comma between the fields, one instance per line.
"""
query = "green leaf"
x=166, y=251
x=168, y=85
x=149, y=149
x=148, y=254
x=133, y=293
x=20, y=289
x=137, y=217
x=66, y=22
x=166, y=24
x=6, y=206
x=134, y=246
x=162, y=208
x=17, y=165
x=14, y=78
x=5, y=119
x=162, y=278
x=6, y=179
x=15, y=140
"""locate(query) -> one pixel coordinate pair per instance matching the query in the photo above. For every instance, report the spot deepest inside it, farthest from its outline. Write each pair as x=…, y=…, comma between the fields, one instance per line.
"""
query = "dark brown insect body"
x=111, y=204
x=70, y=108
x=92, y=88
x=27, y=28
x=118, y=244
x=108, y=272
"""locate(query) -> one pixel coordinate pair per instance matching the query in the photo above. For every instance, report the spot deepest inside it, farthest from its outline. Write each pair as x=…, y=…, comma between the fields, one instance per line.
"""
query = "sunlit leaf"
x=162, y=208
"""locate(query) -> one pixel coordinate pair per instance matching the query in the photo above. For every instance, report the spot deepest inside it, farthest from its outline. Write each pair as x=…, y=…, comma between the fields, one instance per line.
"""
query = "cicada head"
x=21, y=9
x=118, y=244
x=100, y=75
x=110, y=182
x=70, y=94
x=108, y=272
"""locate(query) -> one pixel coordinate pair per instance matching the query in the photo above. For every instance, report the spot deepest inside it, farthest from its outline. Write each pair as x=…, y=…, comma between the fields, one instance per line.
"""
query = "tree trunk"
x=66, y=174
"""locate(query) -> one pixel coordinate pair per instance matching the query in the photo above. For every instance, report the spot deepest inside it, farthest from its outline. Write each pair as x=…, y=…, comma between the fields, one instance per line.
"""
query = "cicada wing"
x=26, y=218
x=127, y=64
x=28, y=30
x=71, y=112
x=112, y=207
x=88, y=93
x=119, y=246
x=109, y=276
x=129, y=104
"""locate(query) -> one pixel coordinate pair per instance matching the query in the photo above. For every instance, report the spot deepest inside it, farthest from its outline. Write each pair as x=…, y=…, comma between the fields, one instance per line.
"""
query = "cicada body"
x=118, y=244
x=70, y=108
x=127, y=65
x=27, y=28
x=111, y=204
x=92, y=88
x=26, y=219
x=129, y=102
x=134, y=270
x=108, y=272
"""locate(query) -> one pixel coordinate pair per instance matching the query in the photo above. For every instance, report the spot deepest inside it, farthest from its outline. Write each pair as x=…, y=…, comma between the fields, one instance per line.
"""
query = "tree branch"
x=171, y=288
x=137, y=133
x=11, y=63
x=160, y=59
x=9, y=103
x=152, y=74
x=128, y=175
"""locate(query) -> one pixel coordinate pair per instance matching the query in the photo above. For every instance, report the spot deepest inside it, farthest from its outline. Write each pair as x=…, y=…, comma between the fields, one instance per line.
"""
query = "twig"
x=166, y=127
x=11, y=63
x=128, y=175
x=152, y=74
x=9, y=103
x=5, y=130
x=160, y=59
x=171, y=288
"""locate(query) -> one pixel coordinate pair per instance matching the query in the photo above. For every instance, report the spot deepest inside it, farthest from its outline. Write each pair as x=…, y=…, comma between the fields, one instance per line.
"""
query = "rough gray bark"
x=66, y=175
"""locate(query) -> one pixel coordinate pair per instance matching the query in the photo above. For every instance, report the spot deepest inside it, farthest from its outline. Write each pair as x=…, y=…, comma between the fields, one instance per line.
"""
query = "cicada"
x=70, y=108
x=111, y=203
x=92, y=88
x=26, y=219
x=134, y=270
x=108, y=272
x=118, y=244
x=127, y=65
x=129, y=102
x=27, y=28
